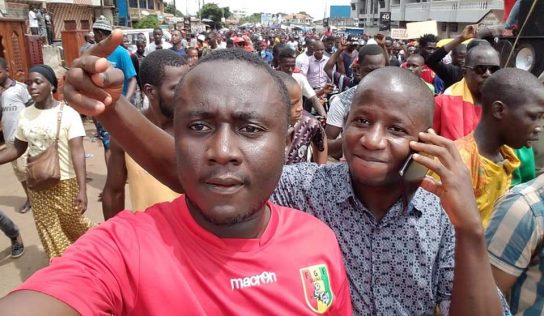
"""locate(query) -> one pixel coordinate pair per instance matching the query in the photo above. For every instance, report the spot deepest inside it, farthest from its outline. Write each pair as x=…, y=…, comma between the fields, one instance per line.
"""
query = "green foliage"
x=254, y=18
x=211, y=11
x=147, y=22
x=169, y=8
x=226, y=12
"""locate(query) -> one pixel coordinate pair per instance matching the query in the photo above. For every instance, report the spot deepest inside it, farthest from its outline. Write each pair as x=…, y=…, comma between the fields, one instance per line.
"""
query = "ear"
x=498, y=110
x=150, y=91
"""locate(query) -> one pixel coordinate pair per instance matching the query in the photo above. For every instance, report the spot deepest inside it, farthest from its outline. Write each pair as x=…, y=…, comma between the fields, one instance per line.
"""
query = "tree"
x=226, y=12
x=169, y=8
x=211, y=11
x=148, y=22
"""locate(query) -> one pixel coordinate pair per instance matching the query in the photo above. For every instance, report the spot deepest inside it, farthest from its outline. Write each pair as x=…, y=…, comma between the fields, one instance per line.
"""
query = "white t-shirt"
x=39, y=127
x=12, y=101
x=152, y=47
x=302, y=63
x=32, y=19
x=307, y=90
x=339, y=109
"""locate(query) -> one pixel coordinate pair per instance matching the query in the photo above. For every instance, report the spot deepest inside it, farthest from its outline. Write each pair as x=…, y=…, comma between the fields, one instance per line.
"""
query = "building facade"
x=451, y=15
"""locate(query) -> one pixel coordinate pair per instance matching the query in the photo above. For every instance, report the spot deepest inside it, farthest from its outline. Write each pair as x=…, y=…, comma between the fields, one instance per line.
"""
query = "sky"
x=316, y=8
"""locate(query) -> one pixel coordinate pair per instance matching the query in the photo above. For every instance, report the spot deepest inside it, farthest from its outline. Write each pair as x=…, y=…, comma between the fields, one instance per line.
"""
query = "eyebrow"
x=238, y=116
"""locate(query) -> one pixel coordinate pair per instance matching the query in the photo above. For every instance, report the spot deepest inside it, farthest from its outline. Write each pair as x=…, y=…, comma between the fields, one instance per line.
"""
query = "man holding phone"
x=398, y=262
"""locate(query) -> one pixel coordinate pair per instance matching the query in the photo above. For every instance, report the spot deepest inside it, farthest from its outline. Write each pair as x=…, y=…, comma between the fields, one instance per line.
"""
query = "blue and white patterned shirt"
x=400, y=265
x=515, y=235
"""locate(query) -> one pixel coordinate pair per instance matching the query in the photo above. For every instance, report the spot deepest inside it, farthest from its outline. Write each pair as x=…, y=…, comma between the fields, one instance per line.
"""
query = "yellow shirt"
x=39, y=127
x=490, y=180
x=144, y=189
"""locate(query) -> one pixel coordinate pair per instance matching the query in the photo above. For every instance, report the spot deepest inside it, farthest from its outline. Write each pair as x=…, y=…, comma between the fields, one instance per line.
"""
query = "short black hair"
x=511, y=86
x=239, y=55
x=152, y=67
x=287, y=52
x=3, y=63
x=426, y=39
x=277, y=48
x=370, y=50
x=459, y=49
x=418, y=56
x=330, y=39
x=190, y=48
x=157, y=29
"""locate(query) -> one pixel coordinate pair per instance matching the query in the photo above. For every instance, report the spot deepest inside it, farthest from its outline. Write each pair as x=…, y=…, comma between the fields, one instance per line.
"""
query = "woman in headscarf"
x=57, y=210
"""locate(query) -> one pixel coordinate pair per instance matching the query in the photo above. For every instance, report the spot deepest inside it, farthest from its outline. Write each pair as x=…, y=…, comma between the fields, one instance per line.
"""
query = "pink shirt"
x=162, y=263
x=317, y=77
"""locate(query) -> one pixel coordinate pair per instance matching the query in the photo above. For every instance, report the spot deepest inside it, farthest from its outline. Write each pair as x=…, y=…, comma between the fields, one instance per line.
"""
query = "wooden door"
x=13, y=47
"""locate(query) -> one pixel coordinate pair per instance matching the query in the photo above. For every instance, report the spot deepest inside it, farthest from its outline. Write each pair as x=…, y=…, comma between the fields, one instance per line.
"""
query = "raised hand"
x=455, y=187
x=92, y=83
x=470, y=31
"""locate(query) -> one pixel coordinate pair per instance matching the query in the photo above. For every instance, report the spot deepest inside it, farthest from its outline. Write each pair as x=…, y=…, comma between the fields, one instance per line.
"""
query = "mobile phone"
x=412, y=172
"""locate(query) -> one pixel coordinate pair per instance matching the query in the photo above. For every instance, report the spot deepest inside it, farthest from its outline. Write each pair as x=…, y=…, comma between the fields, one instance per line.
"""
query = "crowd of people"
x=285, y=173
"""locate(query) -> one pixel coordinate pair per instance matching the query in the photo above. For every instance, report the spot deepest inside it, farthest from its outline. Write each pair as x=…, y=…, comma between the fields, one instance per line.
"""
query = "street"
x=14, y=271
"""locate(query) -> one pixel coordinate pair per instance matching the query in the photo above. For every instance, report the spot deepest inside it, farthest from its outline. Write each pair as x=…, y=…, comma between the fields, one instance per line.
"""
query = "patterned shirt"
x=307, y=131
x=515, y=235
x=400, y=265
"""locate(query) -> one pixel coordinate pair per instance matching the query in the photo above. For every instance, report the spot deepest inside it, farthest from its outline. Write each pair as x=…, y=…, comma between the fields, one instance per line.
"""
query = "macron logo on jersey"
x=254, y=280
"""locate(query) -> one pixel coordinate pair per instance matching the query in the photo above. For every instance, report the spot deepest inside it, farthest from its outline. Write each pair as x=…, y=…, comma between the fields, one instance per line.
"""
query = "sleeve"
x=335, y=117
x=75, y=125
x=19, y=132
x=318, y=135
x=436, y=58
x=445, y=267
x=307, y=90
x=304, y=67
x=512, y=235
x=91, y=276
x=127, y=66
x=291, y=188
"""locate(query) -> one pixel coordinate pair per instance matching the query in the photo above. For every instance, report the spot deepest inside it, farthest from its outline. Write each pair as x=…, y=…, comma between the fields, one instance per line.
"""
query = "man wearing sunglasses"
x=459, y=109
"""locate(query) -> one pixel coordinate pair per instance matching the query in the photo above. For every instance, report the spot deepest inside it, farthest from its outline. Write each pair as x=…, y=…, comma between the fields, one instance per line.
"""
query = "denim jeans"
x=8, y=226
x=513, y=17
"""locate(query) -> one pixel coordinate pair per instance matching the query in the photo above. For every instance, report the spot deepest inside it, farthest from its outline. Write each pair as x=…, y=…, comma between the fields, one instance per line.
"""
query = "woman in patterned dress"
x=57, y=210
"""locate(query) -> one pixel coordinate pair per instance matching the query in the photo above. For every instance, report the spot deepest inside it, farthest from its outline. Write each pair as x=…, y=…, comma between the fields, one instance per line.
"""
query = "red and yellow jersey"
x=161, y=262
x=455, y=114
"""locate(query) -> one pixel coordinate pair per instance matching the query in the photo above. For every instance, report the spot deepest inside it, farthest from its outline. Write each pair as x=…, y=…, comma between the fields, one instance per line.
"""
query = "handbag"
x=43, y=170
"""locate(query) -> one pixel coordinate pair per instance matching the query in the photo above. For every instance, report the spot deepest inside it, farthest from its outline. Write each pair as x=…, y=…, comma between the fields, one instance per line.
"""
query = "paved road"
x=14, y=271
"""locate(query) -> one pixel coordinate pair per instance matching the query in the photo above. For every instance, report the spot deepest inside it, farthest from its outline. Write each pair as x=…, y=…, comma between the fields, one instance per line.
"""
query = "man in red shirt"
x=458, y=110
x=220, y=249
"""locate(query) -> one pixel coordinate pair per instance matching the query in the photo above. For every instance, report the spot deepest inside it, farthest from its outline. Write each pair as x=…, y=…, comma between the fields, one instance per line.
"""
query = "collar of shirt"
x=345, y=192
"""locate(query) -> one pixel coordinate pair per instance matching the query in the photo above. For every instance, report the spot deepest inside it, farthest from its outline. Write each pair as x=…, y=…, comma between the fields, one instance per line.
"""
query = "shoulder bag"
x=43, y=170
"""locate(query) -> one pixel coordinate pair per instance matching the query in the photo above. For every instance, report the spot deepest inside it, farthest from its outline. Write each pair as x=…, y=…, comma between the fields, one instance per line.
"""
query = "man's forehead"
x=484, y=57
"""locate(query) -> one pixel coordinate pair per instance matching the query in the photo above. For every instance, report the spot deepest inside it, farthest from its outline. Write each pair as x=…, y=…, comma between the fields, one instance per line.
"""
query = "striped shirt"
x=514, y=236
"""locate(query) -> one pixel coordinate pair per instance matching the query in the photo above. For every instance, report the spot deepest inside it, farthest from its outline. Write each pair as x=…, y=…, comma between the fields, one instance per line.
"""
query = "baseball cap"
x=201, y=37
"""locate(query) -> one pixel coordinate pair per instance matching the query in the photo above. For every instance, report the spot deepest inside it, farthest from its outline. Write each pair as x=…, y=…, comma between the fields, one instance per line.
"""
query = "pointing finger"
x=105, y=47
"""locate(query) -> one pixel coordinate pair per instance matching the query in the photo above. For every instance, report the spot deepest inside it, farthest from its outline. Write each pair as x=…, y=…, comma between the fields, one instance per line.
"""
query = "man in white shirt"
x=14, y=97
x=158, y=42
x=302, y=59
x=286, y=63
x=315, y=72
x=33, y=21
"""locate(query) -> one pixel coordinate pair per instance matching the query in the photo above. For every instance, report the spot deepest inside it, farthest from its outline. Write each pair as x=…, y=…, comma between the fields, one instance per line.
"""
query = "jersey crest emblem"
x=317, y=287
